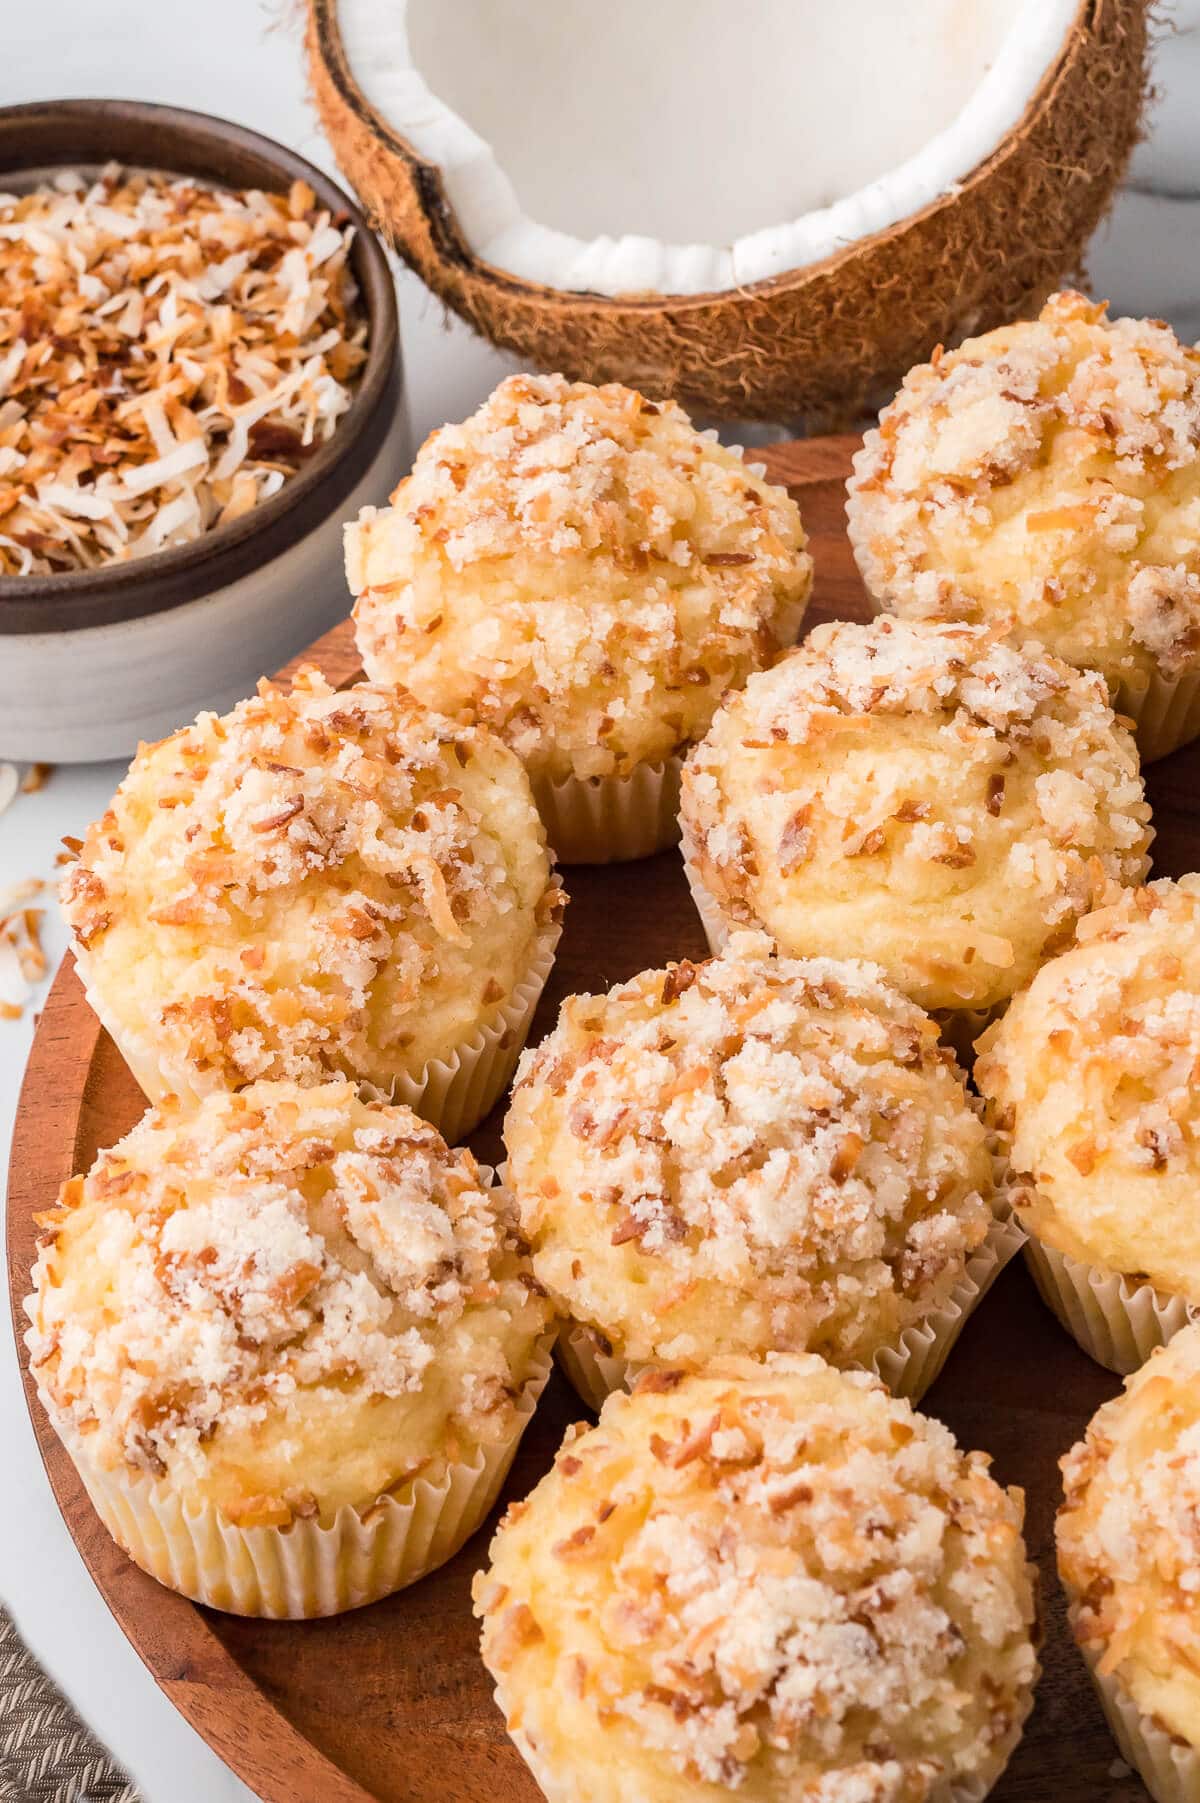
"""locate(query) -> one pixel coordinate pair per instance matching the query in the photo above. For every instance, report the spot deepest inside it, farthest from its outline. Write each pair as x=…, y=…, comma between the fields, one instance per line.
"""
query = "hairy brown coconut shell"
x=819, y=343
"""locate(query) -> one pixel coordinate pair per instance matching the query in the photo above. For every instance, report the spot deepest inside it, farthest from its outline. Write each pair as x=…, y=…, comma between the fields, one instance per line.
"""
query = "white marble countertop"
x=241, y=59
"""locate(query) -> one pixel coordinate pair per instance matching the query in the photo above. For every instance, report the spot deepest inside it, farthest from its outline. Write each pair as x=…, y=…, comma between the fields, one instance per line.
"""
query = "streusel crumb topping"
x=1128, y=1545
x=219, y=1269
x=771, y=1578
x=923, y=793
x=581, y=570
x=1091, y=1078
x=1045, y=477
x=748, y=1153
x=321, y=881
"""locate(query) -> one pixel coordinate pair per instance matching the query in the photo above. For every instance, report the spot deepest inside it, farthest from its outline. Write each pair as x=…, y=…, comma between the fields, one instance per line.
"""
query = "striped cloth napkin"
x=46, y=1753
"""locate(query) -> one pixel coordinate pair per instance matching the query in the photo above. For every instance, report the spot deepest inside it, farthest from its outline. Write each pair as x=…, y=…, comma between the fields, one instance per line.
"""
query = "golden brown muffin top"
x=321, y=881
x=921, y=794
x=770, y=1578
x=1091, y=1078
x=237, y=1292
x=1128, y=1548
x=1045, y=477
x=748, y=1154
x=581, y=570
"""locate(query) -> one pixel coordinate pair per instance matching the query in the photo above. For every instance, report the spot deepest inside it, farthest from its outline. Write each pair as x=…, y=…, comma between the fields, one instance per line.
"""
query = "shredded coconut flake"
x=909, y=770
x=169, y=354
x=581, y=570
x=777, y=1580
x=266, y=1244
x=1129, y=1539
x=1046, y=478
x=749, y=1153
x=301, y=886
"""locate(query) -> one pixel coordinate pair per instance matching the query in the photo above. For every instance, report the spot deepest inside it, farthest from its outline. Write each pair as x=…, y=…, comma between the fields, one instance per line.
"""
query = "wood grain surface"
x=392, y=1702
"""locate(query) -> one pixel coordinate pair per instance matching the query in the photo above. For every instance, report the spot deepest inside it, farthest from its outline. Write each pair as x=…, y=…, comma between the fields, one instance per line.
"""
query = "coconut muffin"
x=769, y=1580
x=1129, y=1560
x=920, y=795
x=582, y=571
x=749, y=1155
x=1091, y=1079
x=320, y=883
x=1046, y=477
x=295, y=1310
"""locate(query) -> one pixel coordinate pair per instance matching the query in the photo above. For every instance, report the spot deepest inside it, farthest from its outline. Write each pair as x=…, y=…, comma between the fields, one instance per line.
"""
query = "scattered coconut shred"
x=170, y=354
x=22, y=960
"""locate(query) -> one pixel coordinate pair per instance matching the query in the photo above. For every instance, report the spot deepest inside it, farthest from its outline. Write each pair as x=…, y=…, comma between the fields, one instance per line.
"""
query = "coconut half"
x=766, y=209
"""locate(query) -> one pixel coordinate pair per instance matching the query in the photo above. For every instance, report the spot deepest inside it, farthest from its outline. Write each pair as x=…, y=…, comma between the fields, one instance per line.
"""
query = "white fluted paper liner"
x=959, y=1027
x=1116, y=1321
x=1165, y=711
x=452, y=1093
x=309, y=1568
x=716, y=927
x=611, y=819
x=594, y=1373
x=563, y=1786
x=909, y=1368
x=1169, y=1768
x=615, y=819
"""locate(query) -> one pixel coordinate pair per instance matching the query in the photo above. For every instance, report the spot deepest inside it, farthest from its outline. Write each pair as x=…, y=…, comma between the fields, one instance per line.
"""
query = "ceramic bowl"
x=94, y=660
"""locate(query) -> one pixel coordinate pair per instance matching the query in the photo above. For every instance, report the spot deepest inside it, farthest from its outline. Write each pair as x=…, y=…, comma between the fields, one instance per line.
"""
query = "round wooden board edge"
x=171, y=1636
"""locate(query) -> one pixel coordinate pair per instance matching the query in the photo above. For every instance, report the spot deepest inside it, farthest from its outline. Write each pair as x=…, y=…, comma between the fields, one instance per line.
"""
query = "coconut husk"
x=822, y=344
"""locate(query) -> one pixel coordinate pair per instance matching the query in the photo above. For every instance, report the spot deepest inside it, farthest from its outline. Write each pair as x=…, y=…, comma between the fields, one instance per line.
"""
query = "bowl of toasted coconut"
x=200, y=380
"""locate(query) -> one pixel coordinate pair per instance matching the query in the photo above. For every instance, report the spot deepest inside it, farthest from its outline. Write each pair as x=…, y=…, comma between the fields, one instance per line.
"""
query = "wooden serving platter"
x=392, y=1702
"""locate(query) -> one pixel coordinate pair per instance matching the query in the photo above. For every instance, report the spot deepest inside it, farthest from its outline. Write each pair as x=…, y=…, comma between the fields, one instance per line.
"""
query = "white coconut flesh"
x=693, y=146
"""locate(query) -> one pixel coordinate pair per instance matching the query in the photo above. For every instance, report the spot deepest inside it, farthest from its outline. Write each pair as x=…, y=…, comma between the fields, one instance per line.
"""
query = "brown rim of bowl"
x=38, y=140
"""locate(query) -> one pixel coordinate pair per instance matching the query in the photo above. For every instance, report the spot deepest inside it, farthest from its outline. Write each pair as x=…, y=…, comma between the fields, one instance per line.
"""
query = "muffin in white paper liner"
x=909, y=1368
x=198, y=1300
x=933, y=535
x=668, y=1143
x=677, y=1515
x=582, y=570
x=452, y=1093
x=835, y=791
x=1168, y=1767
x=321, y=881
x=309, y=1568
x=1117, y=1321
x=611, y=819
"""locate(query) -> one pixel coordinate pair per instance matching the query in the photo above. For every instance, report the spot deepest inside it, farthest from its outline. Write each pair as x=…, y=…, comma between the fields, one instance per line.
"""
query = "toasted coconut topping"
x=10, y=785
x=1092, y=1079
x=746, y=1154
x=1129, y=1540
x=580, y=569
x=924, y=793
x=1045, y=477
x=218, y=1269
x=770, y=1576
x=321, y=881
x=169, y=354
x=35, y=778
x=22, y=959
